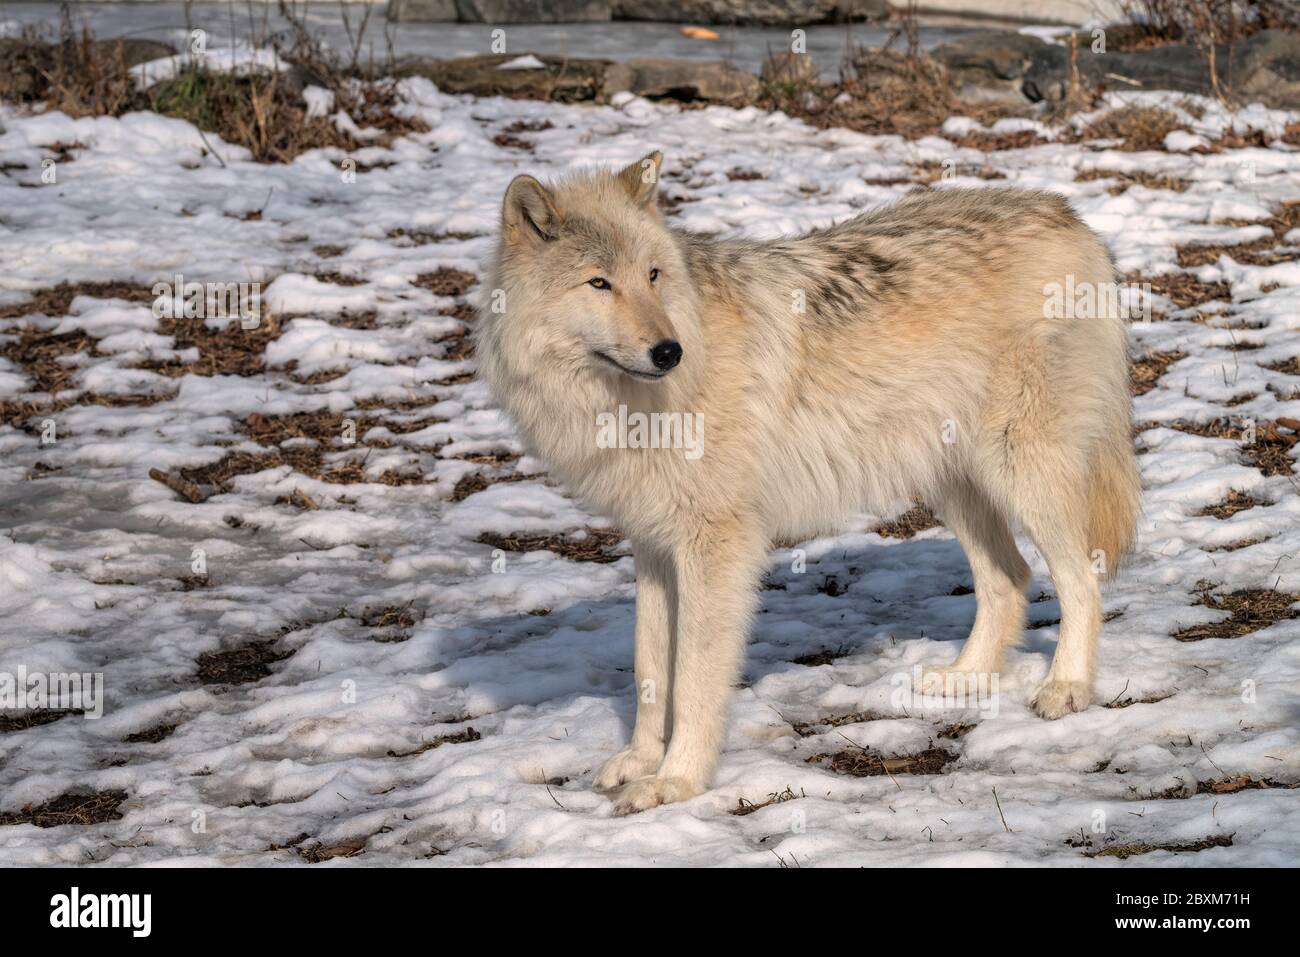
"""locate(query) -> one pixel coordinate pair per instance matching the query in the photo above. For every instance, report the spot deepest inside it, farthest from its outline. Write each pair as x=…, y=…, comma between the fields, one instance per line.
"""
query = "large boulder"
x=766, y=13
x=1265, y=68
x=687, y=80
x=743, y=12
x=989, y=66
x=423, y=11
x=560, y=78
x=501, y=11
x=532, y=11
x=1176, y=67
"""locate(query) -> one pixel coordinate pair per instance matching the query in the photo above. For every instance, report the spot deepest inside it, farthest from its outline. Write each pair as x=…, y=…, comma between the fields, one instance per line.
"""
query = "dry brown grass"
x=242, y=665
x=1250, y=610
x=97, y=807
x=862, y=763
x=807, y=728
x=30, y=719
x=152, y=735
x=1123, y=180
x=916, y=519
x=1125, y=851
x=1184, y=290
x=456, y=737
x=264, y=111
x=476, y=482
x=1266, y=251
x=1139, y=127
x=595, y=546
x=1243, y=782
x=1269, y=452
x=1235, y=501
x=446, y=282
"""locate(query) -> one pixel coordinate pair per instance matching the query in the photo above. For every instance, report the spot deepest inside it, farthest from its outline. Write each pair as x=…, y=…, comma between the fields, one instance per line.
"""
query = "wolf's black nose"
x=666, y=354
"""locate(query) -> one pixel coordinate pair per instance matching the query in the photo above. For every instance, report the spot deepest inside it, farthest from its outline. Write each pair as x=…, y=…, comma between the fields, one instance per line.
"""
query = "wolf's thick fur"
x=901, y=354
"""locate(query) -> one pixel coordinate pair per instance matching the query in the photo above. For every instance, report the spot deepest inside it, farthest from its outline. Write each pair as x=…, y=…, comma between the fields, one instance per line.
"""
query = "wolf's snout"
x=666, y=354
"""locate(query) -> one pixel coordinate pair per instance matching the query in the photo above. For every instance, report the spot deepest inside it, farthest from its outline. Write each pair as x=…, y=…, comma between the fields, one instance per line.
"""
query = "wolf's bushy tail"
x=1114, y=493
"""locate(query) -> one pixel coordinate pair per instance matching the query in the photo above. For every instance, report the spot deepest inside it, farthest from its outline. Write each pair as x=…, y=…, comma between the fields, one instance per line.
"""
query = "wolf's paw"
x=1054, y=698
x=628, y=765
x=645, y=793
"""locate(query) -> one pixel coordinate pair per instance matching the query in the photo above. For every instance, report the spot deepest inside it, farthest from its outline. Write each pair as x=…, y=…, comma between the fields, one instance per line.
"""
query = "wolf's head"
x=591, y=279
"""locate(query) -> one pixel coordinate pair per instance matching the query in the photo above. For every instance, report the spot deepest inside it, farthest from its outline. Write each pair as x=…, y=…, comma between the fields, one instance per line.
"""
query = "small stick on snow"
x=1000, y=814
x=181, y=486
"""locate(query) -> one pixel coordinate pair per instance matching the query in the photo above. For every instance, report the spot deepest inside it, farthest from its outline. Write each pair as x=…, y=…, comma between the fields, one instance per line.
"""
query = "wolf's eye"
x=599, y=282
x=654, y=274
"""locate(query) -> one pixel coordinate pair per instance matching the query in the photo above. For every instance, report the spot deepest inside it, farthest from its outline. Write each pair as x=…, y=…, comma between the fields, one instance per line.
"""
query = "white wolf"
x=905, y=353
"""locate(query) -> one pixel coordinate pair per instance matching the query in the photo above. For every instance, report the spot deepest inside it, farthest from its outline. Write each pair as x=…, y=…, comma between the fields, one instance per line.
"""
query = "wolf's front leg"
x=655, y=623
x=717, y=579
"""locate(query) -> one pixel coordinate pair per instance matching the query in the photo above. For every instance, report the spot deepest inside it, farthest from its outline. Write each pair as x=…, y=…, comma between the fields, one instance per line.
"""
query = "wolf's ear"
x=529, y=211
x=641, y=179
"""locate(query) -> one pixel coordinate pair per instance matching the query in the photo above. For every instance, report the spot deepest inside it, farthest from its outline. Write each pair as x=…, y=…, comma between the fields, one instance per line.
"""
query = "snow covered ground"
x=411, y=690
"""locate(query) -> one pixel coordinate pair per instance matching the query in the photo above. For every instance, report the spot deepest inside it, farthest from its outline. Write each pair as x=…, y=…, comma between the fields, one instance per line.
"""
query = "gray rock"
x=714, y=81
x=744, y=12
x=788, y=70
x=1177, y=67
x=767, y=13
x=1265, y=67
x=1001, y=56
x=564, y=80
x=532, y=11
x=426, y=11
x=989, y=66
x=1267, y=70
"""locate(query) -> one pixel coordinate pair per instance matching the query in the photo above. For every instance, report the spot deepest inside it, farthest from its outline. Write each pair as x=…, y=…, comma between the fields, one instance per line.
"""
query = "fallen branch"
x=181, y=486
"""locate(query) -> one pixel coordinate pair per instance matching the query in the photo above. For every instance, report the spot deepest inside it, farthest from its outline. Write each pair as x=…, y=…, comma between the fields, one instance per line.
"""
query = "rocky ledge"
x=741, y=12
x=1014, y=68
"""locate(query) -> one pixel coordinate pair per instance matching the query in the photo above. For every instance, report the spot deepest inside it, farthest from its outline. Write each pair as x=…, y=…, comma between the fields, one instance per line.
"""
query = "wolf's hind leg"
x=656, y=603
x=1057, y=522
x=1001, y=577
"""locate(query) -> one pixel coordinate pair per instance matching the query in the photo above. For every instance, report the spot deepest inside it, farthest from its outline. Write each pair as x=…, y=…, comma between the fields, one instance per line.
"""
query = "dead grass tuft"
x=1146, y=371
x=152, y=735
x=1235, y=501
x=914, y=520
x=595, y=546
x=1250, y=610
x=456, y=737
x=31, y=719
x=1140, y=127
x=862, y=763
x=97, y=807
x=446, y=282
x=242, y=665
x=1122, y=180
x=1125, y=851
